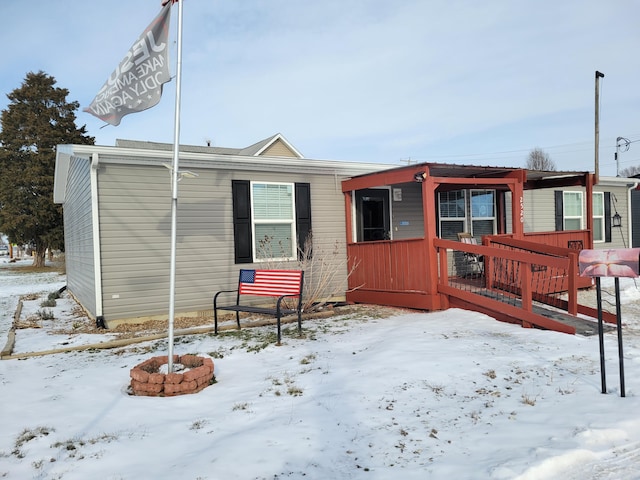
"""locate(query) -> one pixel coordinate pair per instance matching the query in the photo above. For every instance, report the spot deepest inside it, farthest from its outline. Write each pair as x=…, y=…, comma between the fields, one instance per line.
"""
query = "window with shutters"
x=271, y=221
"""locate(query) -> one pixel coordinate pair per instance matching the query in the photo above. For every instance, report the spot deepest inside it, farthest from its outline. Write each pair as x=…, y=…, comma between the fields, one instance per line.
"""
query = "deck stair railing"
x=515, y=274
x=548, y=282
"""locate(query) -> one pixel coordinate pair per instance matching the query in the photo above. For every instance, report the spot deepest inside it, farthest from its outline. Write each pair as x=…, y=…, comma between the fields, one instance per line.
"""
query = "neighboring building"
x=564, y=208
x=116, y=203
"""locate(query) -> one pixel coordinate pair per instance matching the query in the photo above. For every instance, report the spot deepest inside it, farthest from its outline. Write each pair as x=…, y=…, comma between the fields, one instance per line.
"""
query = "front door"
x=372, y=215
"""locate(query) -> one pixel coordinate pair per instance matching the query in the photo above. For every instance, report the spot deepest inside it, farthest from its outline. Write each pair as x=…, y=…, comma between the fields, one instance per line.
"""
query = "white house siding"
x=78, y=240
x=136, y=228
x=540, y=212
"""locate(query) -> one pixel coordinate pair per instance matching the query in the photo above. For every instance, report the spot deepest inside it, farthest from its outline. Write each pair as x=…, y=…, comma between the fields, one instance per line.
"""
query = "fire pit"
x=148, y=380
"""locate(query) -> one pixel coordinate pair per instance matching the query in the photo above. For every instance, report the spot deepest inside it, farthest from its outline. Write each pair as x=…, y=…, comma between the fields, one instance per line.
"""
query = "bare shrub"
x=323, y=270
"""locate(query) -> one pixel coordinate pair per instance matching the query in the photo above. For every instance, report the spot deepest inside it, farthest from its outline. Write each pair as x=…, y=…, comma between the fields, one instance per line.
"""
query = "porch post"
x=589, y=181
x=348, y=216
x=517, y=210
x=429, y=213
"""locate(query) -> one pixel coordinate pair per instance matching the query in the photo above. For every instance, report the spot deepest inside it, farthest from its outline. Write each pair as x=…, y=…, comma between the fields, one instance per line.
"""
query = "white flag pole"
x=174, y=190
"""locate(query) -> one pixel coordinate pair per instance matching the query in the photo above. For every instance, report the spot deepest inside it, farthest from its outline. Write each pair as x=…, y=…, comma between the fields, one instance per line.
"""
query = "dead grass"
x=58, y=267
x=82, y=324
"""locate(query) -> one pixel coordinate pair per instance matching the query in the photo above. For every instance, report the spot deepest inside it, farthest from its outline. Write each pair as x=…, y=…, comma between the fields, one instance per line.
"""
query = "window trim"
x=462, y=219
x=572, y=217
x=599, y=218
x=494, y=205
x=291, y=222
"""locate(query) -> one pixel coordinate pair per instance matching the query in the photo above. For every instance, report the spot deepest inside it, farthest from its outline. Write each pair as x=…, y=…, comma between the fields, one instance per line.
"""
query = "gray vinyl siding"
x=620, y=236
x=508, y=206
x=540, y=212
x=135, y=220
x=407, y=214
x=78, y=226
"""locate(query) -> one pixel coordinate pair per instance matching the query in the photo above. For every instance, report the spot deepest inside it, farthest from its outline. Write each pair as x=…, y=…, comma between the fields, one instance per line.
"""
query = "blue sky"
x=456, y=81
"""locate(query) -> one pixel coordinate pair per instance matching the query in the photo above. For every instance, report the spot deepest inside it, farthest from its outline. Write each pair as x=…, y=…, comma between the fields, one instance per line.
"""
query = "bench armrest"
x=282, y=297
x=215, y=297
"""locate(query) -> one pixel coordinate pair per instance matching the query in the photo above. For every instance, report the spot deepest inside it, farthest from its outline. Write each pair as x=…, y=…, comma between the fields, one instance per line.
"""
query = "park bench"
x=279, y=284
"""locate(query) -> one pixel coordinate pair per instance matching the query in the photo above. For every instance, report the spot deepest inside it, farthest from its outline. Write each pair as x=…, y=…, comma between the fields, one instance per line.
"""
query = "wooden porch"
x=522, y=273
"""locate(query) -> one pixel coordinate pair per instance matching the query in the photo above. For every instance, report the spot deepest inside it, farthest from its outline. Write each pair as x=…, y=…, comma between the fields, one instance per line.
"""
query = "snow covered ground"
x=446, y=395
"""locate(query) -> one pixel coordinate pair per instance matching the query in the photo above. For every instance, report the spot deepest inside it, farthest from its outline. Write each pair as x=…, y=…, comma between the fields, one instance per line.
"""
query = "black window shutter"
x=303, y=214
x=559, y=217
x=607, y=217
x=242, y=221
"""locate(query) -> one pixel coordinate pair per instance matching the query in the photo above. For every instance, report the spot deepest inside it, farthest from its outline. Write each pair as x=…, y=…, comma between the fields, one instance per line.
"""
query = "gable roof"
x=274, y=146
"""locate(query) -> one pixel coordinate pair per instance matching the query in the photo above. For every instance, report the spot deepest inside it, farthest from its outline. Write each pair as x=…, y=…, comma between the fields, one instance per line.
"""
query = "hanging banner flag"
x=136, y=84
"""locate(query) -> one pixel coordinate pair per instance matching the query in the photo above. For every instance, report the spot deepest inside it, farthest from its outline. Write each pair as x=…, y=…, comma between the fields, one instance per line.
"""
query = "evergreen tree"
x=37, y=119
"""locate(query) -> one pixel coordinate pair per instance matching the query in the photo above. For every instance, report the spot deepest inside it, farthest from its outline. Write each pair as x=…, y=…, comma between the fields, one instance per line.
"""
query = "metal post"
x=603, y=376
x=619, y=325
x=597, y=127
x=174, y=191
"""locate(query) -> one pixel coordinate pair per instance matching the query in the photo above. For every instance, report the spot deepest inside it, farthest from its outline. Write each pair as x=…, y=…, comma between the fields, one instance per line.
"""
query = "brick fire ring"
x=147, y=380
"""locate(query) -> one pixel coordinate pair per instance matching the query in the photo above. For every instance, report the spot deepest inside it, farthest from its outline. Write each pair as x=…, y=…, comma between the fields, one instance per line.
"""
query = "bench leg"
x=215, y=320
x=279, y=332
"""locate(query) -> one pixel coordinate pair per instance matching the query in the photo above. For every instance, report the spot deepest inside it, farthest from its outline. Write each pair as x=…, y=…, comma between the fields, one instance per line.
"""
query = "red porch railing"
x=546, y=280
x=572, y=239
x=388, y=265
x=515, y=274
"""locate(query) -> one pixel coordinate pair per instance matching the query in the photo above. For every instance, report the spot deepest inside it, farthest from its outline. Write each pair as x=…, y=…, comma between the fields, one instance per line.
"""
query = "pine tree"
x=37, y=119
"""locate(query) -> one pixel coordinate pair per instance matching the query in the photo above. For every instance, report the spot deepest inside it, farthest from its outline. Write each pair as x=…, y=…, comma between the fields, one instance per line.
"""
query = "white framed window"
x=598, y=217
x=453, y=213
x=572, y=210
x=273, y=221
x=483, y=212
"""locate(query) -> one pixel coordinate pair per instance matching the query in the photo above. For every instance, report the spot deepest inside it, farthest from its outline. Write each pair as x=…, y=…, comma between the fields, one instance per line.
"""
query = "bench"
x=279, y=284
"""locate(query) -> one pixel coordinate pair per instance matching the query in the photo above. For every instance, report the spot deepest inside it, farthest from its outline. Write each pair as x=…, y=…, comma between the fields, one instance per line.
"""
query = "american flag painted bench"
x=279, y=284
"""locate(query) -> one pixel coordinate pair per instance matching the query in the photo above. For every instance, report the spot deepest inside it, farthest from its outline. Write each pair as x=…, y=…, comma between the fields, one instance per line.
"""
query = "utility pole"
x=597, y=127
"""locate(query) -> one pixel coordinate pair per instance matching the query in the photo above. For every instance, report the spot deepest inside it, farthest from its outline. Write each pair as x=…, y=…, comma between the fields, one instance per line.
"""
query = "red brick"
x=207, y=362
x=156, y=378
x=174, y=378
x=191, y=361
x=153, y=388
x=139, y=375
x=204, y=380
x=195, y=373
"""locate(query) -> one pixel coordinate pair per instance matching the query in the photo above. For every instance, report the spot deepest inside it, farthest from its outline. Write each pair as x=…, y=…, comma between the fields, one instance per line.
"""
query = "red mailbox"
x=620, y=262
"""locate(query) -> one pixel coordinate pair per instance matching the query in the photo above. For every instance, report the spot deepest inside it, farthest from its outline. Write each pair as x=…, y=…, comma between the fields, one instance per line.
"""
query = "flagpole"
x=174, y=191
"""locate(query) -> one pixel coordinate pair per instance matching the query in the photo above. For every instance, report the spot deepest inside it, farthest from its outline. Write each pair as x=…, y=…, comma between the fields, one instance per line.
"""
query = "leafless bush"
x=323, y=270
